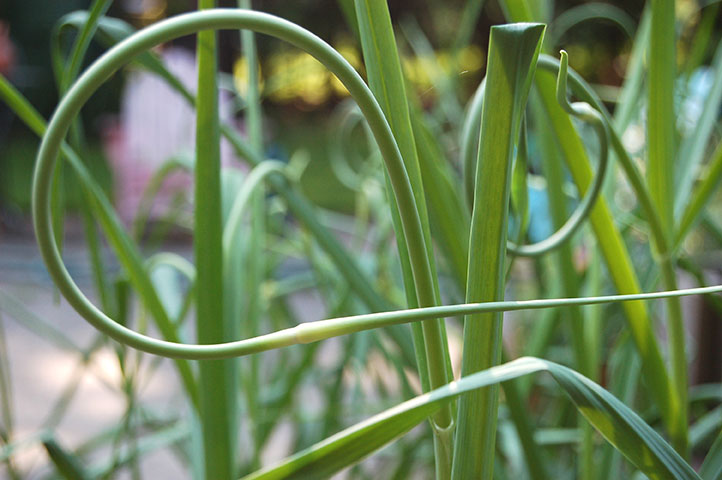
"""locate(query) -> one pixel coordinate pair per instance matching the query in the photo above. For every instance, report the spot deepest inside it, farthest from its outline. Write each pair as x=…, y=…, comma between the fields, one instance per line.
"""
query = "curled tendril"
x=581, y=110
x=586, y=113
x=140, y=42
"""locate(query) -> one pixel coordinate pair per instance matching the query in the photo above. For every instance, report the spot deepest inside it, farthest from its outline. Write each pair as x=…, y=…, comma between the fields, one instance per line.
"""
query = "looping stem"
x=582, y=110
x=589, y=114
x=162, y=32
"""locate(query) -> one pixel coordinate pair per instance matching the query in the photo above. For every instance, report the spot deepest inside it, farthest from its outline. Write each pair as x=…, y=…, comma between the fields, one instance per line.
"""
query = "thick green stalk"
x=661, y=131
x=217, y=379
x=660, y=119
x=513, y=52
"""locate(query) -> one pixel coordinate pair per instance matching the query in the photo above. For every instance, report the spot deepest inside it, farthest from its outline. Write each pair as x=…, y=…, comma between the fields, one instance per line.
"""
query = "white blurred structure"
x=155, y=125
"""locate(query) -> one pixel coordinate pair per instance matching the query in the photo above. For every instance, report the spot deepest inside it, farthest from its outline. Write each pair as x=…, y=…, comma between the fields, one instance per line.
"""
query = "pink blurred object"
x=7, y=49
x=155, y=125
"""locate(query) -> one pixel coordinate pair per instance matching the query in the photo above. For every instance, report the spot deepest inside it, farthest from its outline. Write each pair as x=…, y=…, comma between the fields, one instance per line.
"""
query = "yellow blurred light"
x=240, y=76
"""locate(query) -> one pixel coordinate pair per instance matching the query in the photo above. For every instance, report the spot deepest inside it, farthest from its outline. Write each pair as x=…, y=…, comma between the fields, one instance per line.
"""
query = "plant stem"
x=513, y=52
x=661, y=131
x=217, y=378
x=387, y=83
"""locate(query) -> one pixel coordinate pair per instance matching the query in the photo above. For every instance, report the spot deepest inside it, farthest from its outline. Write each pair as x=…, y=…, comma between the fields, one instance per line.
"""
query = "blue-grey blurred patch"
x=540, y=223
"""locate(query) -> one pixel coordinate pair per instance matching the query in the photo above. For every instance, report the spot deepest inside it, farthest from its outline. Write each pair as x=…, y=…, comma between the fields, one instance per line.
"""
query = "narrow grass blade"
x=615, y=421
x=701, y=196
x=142, y=214
x=66, y=69
x=245, y=264
x=712, y=466
x=630, y=95
x=703, y=35
x=17, y=310
x=67, y=464
x=468, y=20
x=661, y=127
x=513, y=52
x=692, y=149
x=442, y=79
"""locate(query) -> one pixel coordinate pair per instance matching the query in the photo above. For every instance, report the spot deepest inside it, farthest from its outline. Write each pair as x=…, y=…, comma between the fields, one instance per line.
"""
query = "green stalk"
x=513, y=52
x=217, y=378
x=386, y=80
x=661, y=120
x=661, y=131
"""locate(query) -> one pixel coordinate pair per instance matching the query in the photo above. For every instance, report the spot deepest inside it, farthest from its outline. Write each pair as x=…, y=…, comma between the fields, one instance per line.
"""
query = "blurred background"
x=297, y=92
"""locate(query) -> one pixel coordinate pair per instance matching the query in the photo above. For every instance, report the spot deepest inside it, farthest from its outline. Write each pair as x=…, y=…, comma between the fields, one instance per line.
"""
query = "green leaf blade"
x=513, y=51
x=623, y=428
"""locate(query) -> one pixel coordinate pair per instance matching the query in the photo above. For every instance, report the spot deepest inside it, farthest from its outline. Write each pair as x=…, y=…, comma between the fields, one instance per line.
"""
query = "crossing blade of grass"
x=441, y=81
x=162, y=438
x=67, y=464
x=17, y=310
x=628, y=102
x=383, y=67
x=619, y=425
x=142, y=214
x=468, y=20
x=701, y=196
x=513, y=52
